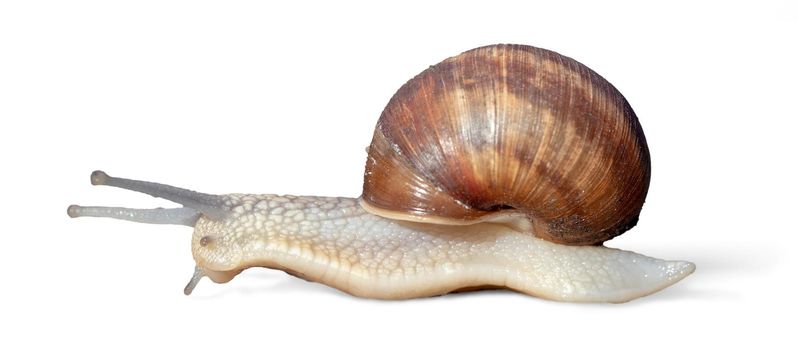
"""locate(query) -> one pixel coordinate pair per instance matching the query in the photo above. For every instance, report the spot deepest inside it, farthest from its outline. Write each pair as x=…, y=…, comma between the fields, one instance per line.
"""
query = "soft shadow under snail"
x=506, y=166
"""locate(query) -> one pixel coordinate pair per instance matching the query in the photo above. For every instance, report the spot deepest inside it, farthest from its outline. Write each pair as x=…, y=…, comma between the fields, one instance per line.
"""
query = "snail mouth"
x=216, y=276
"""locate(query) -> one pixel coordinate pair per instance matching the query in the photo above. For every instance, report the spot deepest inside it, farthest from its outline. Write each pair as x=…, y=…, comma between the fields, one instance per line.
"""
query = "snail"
x=506, y=166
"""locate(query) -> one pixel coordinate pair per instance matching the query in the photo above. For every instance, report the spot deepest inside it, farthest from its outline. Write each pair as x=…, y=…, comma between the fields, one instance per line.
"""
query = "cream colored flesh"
x=335, y=242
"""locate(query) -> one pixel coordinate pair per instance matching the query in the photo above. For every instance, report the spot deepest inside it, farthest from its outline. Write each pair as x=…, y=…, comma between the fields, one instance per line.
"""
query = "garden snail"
x=506, y=166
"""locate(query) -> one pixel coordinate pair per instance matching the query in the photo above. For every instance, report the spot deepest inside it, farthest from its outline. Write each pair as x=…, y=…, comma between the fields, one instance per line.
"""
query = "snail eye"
x=206, y=240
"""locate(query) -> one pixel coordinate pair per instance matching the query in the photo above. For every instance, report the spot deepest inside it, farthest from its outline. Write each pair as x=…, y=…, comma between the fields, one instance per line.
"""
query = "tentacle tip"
x=195, y=278
x=99, y=177
x=187, y=290
x=73, y=211
x=680, y=269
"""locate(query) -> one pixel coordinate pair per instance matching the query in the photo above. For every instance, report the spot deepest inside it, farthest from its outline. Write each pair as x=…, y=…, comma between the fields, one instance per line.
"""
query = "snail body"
x=335, y=242
x=505, y=167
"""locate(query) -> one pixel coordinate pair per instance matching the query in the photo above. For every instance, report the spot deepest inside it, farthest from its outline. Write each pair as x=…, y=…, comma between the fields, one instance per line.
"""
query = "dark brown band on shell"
x=511, y=126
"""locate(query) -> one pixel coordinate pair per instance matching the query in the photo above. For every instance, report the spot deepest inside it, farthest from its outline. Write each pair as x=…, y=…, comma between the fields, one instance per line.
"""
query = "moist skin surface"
x=334, y=241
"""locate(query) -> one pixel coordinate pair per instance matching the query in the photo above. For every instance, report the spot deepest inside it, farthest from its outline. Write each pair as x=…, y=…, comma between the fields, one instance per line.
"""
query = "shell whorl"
x=516, y=129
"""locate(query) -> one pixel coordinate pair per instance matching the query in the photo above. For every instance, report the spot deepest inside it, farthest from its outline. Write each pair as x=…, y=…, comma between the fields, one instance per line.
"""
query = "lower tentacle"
x=171, y=216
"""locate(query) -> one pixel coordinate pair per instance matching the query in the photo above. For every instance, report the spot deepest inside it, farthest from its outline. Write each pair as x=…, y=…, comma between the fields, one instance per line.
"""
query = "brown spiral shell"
x=510, y=129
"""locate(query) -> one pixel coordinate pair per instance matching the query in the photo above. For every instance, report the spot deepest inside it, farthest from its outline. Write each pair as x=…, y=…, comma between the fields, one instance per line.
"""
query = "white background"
x=249, y=96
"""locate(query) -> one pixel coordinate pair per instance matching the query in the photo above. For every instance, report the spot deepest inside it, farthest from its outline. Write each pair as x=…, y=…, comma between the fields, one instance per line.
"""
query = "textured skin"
x=335, y=242
x=511, y=126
